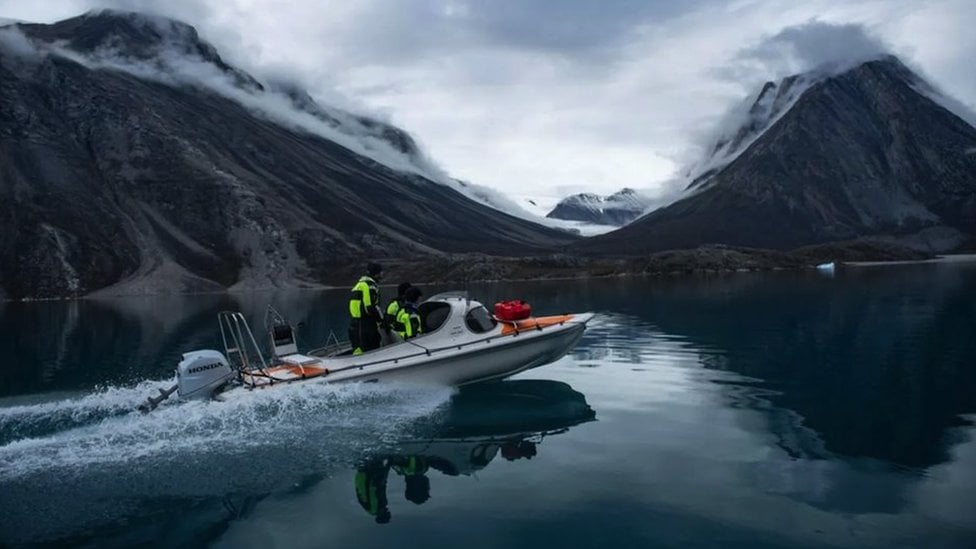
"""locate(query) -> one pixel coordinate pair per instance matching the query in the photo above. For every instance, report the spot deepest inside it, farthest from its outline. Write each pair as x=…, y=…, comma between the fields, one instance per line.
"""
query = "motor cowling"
x=201, y=373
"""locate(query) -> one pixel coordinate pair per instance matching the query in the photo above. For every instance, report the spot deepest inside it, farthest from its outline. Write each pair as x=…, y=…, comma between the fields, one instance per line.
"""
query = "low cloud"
x=172, y=65
x=816, y=45
x=813, y=49
x=542, y=98
x=14, y=41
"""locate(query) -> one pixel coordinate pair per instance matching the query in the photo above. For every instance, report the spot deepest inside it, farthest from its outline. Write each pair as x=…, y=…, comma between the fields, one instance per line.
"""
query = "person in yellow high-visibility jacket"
x=364, y=311
x=408, y=323
x=393, y=308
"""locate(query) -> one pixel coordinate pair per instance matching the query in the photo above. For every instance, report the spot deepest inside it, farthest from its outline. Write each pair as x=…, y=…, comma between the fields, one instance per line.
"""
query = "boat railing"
x=239, y=342
x=333, y=346
x=446, y=296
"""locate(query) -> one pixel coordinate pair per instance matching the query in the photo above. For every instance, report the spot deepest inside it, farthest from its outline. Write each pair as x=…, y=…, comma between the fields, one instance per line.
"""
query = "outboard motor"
x=202, y=373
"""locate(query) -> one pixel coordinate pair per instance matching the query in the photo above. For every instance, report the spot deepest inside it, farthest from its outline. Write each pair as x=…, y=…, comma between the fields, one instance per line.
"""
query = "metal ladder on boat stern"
x=236, y=335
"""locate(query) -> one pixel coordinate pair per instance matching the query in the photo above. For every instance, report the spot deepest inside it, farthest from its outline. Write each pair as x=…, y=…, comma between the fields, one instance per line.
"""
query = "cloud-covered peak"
x=530, y=94
x=817, y=46
x=137, y=33
x=134, y=36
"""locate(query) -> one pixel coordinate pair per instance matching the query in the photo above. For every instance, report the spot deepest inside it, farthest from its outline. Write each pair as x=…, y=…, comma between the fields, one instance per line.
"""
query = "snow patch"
x=582, y=228
x=619, y=208
x=529, y=209
x=627, y=199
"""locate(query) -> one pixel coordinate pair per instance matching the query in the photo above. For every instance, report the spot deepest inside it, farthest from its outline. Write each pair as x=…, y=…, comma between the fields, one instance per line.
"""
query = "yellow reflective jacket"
x=407, y=322
x=364, y=300
x=392, y=310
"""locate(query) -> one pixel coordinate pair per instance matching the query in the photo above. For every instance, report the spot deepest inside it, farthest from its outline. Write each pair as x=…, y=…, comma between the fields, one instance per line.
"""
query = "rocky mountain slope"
x=132, y=156
x=619, y=208
x=864, y=152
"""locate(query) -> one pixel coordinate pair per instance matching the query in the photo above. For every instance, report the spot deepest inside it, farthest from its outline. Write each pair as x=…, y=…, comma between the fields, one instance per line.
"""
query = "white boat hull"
x=471, y=366
x=456, y=351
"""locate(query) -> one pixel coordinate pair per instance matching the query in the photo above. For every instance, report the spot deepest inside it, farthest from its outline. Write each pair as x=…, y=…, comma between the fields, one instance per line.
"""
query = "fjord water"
x=776, y=409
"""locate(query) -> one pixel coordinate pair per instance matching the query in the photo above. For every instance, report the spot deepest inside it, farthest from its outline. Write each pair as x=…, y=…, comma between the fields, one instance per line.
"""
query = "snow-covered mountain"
x=617, y=209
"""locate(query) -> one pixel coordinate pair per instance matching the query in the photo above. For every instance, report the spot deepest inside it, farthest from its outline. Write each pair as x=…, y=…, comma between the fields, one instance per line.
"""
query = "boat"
x=461, y=343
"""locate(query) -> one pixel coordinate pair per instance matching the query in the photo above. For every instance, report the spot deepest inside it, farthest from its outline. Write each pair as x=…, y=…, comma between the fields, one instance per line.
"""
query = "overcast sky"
x=545, y=97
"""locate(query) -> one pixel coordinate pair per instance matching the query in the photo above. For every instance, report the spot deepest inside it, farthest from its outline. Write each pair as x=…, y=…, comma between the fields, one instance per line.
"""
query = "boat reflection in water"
x=507, y=418
x=136, y=491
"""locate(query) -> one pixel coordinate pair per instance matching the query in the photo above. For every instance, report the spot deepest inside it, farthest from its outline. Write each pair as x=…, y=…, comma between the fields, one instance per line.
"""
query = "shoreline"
x=940, y=259
x=626, y=272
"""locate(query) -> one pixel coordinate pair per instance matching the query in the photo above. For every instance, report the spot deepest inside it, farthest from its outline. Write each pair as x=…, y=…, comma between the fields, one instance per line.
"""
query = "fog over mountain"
x=838, y=153
x=134, y=156
x=527, y=94
x=137, y=158
x=797, y=57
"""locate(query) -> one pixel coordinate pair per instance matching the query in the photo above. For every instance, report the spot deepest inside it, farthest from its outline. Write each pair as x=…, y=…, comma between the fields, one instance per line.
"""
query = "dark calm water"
x=754, y=410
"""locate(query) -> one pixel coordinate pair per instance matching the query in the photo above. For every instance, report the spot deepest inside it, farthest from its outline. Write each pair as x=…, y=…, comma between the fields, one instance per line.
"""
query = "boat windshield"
x=433, y=314
x=479, y=320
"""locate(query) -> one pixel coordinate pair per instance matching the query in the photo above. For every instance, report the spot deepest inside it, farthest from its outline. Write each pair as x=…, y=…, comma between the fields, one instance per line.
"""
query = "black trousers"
x=364, y=334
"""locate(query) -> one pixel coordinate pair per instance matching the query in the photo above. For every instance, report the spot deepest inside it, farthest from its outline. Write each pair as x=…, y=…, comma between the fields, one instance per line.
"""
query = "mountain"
x=746, y=123
x=620, y=208
x=870, y=151
x=133, y=156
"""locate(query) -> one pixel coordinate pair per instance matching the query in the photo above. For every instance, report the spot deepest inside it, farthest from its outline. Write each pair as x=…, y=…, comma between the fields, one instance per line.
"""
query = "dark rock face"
x=111, y=179
x=620, y=208
x=862, y=153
